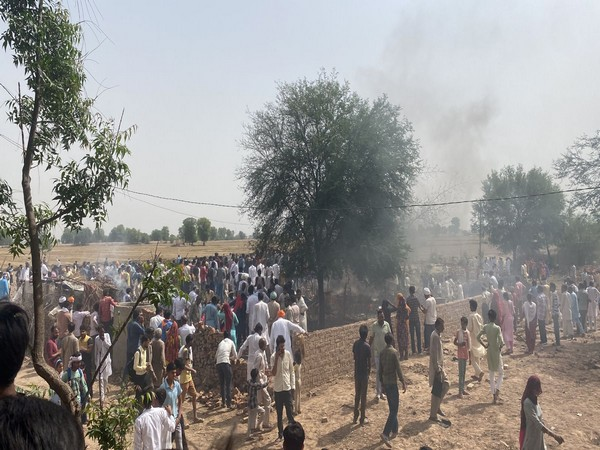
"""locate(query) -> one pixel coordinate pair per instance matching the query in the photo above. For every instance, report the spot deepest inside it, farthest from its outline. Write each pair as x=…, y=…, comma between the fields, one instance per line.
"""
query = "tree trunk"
x=321, y=298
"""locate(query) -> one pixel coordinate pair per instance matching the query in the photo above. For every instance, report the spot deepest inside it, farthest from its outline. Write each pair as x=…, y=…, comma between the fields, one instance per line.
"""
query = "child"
x=255, y=411
x=298, y=374
x=494, y=356
x=463, y=342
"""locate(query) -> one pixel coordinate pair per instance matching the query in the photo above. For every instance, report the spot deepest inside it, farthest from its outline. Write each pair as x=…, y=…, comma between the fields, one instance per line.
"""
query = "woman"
x=402, y=313
x=531, y=435
x=229, y=321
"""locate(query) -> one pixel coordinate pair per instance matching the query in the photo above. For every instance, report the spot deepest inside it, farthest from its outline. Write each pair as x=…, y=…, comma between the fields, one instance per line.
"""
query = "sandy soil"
x=570, y=380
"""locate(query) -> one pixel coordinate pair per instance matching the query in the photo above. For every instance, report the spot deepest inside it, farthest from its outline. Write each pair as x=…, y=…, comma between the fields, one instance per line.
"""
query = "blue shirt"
x=210, y=316
x=4, y=288
x=172, y=396
x=134, y=333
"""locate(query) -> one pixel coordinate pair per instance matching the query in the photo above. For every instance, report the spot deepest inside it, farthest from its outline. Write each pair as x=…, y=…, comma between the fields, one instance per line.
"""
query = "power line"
x=407, y=206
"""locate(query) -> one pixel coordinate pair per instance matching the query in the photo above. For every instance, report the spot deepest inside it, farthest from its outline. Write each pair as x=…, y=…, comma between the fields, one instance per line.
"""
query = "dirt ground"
x=570, y=380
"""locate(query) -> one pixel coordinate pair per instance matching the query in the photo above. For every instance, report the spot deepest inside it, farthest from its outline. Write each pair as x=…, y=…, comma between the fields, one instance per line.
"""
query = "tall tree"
x=165, y=233
x=188, y=231
x=155, y=235
x=203, y=229
x=54, y=117
x=580, y=167
x=526, y=223
x=328, y=173
x=579, y=244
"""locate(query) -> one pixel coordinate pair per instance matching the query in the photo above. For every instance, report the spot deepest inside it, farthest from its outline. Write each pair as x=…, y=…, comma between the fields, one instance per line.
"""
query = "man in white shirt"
x=225, y=353
x=303, y=309
x=284, y=382
x=594, y=296
x=251, y=343
x=250, y=302
x=285, y=328
x=252, y=274
x=179, y=308
x=430, y=316
x=261, y=315
x=154, y=425
x=185, y=329
x=156, y=320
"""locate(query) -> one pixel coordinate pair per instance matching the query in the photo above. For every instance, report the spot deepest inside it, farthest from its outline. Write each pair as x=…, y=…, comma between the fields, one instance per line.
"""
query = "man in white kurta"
x=285, y=328
x=303, y=310
x=438, y=380
x=101, y=345
x=262, y=316
x=475, y=324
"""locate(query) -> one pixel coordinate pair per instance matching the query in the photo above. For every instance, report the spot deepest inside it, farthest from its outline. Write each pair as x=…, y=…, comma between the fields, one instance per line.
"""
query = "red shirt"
x=104, y=308
x=51, y=349
x=203, y=273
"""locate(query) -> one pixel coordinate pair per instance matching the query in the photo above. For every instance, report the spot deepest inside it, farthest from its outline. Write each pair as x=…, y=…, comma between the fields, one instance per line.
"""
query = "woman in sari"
x=402, y=313
x=229, y=321
x=531, y=434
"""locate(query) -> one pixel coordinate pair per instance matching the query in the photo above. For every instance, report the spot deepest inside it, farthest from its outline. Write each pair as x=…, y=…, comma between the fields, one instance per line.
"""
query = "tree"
x=54, y=117
x=203, y=229
x=117, y=234
x=580, y=166
x=213, y=235
x=98, y=235
x=579, y=244
x=188, y=231
x=83, y=237
x=156, y=235
x=241, y=235
x=68, y=236
x=328, y=173
x=454, y=225
x=526, y=223
x=165, y=234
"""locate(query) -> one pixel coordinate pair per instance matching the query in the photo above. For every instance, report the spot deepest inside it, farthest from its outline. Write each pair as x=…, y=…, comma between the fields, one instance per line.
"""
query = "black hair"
x=439, y=321
x=492, y=315
x=463, y=319
x=161, y=395
x=180, y=364
x=167, y=314
x=473, y=305
x=253, y=374
x=71, y=327
x=293, y=436
x=412, y=290
x=363, y=331
x=143, y=338
x=280, y=340
x=35, y=423
x=189, y=339
x=226, y=334
x=389, y=339
x=14, y=339
x=170, y=367
x=258, y=328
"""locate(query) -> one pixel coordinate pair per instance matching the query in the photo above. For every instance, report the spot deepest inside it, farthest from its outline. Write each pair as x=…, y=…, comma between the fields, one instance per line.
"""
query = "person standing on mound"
x=494, y=345
x=438, y=380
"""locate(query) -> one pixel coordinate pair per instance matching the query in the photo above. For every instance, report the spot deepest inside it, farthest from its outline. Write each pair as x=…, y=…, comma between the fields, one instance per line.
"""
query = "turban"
x=73, y=359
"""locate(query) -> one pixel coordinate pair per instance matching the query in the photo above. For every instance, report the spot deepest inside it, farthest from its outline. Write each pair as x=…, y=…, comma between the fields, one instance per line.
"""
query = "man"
x=14, y=340
x=494, y=345
x=185, y=329
x=285, y=328
x=274, y=308
x=555, y=300
x=4, y=287
x=156, y=320
x=389, y=374
x=154, y=426
x=135, y=331
x=51, y=351
x=414, y=322
x=594, y=296
x=251, y=344
x=180, y=307
x=105, y=311
x=225, y=353
x=78, y=316
x=362, y=367
x=101, y=346
x=583, y=301
x=477, y=351
x=430, y=316
x=211, y=313
x=530, y=315
x=220, y=281
x=519, y=297
x=283, y=382
x=293, y=311
x=377, y=343
x=438, y=380
x=142, y=365
x=86, y=347
x=73, y=376
x=69, y=344
x=250, y=303
x=577, y=325
x=261, y=315
x=173, y=399
x=293, y=437
x=264, y=399
x=303, y=310
x=252, y=274
x=63, y=317
x=541, y=305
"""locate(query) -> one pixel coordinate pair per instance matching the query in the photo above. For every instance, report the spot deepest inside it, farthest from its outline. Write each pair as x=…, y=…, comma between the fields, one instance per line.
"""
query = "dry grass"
x=68, y=254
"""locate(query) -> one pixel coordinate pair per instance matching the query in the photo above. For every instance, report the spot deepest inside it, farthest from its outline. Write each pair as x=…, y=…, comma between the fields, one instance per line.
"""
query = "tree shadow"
x=335, y=436
x=473, y=408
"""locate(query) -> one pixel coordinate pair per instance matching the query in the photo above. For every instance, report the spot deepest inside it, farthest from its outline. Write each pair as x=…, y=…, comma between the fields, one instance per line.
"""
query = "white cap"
x=426, y=291
x=62, y=299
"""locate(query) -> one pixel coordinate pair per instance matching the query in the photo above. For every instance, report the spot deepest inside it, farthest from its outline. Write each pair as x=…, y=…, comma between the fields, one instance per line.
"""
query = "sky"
x=485, y=84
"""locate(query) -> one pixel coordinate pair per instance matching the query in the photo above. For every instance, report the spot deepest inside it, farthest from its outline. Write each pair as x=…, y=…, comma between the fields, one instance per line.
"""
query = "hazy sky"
x=485, y=84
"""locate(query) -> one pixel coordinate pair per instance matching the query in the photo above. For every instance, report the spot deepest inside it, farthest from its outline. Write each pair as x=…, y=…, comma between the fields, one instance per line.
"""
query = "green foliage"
x=521, y=224
x=188, y=231
x=162, y=283
x=117, y=234
x=212, y=234
x=580, y=167
x=156, y=235
x=165, y=234
x=579, y=244
x=454, y=225
x=111, y=425
x=241, y=235
x=203, y=229
x=328, y=173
